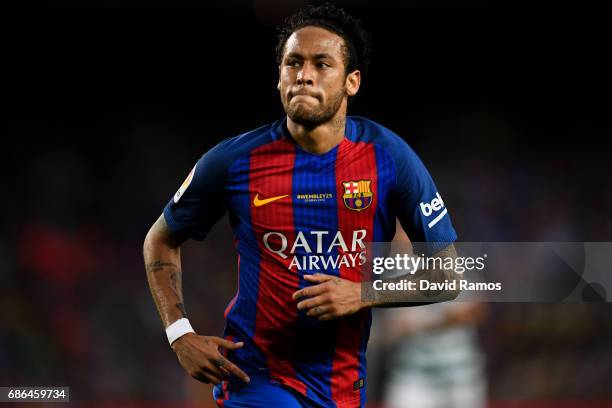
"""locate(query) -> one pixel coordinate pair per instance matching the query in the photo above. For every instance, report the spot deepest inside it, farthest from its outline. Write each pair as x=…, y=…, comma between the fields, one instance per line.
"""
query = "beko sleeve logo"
x=435, y=205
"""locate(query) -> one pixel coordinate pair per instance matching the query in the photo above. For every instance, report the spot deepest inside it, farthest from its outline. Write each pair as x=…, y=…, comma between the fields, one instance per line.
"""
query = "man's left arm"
x=332, y=297
x=424, y=217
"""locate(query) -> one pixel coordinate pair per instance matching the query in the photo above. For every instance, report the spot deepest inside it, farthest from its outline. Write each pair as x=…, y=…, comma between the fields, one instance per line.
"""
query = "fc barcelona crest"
x=357, y=194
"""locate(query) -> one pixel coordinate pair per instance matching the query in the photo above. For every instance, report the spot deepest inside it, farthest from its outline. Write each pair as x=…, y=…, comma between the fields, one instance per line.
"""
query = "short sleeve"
x=420, y=207
x=200, y=201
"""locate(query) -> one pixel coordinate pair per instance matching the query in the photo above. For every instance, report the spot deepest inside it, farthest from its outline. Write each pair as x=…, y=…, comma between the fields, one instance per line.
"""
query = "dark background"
x=109, y=104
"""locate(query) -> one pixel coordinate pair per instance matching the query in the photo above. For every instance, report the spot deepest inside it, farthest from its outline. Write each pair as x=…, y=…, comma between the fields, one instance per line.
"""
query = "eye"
x=293, y=63
x=323, y=65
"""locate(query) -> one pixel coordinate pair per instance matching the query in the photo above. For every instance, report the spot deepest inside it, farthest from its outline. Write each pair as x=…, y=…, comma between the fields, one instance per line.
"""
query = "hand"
x=200, y=357
x=331, y=298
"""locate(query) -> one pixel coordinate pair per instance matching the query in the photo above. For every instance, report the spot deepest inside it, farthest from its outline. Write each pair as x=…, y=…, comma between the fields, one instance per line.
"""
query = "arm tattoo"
x=159, y=265
x=175, y=283
x=161, y=252
x=419, y=297
x=181, y=308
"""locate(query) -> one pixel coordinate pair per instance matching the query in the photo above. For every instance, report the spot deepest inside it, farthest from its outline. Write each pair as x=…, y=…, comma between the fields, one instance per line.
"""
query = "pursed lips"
x=302, y=93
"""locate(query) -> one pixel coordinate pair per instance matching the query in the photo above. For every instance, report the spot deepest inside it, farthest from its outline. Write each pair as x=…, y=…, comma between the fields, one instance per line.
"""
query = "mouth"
x=302, y=95
x=304, y=100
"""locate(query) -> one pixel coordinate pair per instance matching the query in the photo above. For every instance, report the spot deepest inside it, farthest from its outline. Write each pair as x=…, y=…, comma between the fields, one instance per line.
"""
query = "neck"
x=320, y=139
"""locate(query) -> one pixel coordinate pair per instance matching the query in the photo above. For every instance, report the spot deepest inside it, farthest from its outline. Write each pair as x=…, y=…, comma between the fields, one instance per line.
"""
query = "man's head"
x=322, y=53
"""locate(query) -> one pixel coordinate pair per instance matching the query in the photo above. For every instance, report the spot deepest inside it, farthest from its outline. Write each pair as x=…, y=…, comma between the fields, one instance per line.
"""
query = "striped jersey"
x=294, y=213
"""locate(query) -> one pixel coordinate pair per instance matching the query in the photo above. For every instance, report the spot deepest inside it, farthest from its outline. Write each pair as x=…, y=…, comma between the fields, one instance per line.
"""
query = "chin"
x=305, y=117
x=308, y=122
x=302, y=115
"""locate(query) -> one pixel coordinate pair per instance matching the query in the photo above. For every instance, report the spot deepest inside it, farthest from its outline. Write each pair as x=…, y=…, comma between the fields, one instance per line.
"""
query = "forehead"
x=309, y=41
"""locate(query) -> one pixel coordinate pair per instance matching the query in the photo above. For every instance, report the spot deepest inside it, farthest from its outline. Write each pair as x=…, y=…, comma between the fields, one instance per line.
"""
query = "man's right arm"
x=162, y=255
x=199, y=355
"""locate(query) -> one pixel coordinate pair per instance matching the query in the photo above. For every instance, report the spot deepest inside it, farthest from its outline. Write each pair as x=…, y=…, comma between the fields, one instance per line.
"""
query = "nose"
x=305, y=76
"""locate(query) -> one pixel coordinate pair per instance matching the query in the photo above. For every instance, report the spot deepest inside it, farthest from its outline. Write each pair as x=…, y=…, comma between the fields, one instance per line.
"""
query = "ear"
x=279, y=74
x=278, y=85
x=353, y=80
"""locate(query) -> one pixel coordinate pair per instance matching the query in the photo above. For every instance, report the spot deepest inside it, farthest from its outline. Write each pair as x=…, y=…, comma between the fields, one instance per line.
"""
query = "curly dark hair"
x=358, y=44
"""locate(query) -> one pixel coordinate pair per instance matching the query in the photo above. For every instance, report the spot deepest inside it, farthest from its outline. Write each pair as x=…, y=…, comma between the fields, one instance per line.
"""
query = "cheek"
x=333, y=85
x=285, y=82
x=286, y=77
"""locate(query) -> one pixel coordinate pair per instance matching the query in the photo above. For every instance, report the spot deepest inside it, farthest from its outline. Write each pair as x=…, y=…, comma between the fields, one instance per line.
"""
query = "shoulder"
x=221, y=156
x=233, y=148
x=389, y=143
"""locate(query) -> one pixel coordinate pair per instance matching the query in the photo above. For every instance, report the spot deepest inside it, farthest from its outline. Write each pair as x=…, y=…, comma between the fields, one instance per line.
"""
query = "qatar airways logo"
x=316, y=251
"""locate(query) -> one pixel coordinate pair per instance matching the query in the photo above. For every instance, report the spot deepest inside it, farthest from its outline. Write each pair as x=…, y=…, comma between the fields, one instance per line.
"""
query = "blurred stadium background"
x=109, y=103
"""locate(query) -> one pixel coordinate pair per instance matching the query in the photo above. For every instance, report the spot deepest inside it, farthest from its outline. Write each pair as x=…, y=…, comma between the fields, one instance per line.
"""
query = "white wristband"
x=178, y=329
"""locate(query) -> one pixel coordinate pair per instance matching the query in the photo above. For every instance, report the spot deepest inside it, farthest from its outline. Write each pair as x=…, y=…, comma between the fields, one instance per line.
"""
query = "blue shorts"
x=259, y=393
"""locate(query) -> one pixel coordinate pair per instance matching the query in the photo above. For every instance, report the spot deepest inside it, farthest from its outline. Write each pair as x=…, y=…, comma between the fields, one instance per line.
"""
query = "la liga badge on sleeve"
x=184, y=186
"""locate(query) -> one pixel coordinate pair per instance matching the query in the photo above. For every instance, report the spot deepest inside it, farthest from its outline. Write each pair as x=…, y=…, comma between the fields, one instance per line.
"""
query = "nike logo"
x=258, y=203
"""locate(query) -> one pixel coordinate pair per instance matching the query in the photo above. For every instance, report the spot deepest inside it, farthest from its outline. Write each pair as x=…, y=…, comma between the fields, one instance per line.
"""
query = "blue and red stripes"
x=322, y=361
x=355, y=161
x=315, y=175
x=271, y=171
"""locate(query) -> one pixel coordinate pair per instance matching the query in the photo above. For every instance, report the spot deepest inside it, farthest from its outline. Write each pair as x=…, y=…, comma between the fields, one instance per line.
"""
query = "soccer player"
x=304, y=195
x=437, y=360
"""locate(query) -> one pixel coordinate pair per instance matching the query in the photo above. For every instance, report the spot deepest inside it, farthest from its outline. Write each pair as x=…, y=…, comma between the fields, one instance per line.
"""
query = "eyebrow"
x=316, y=56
